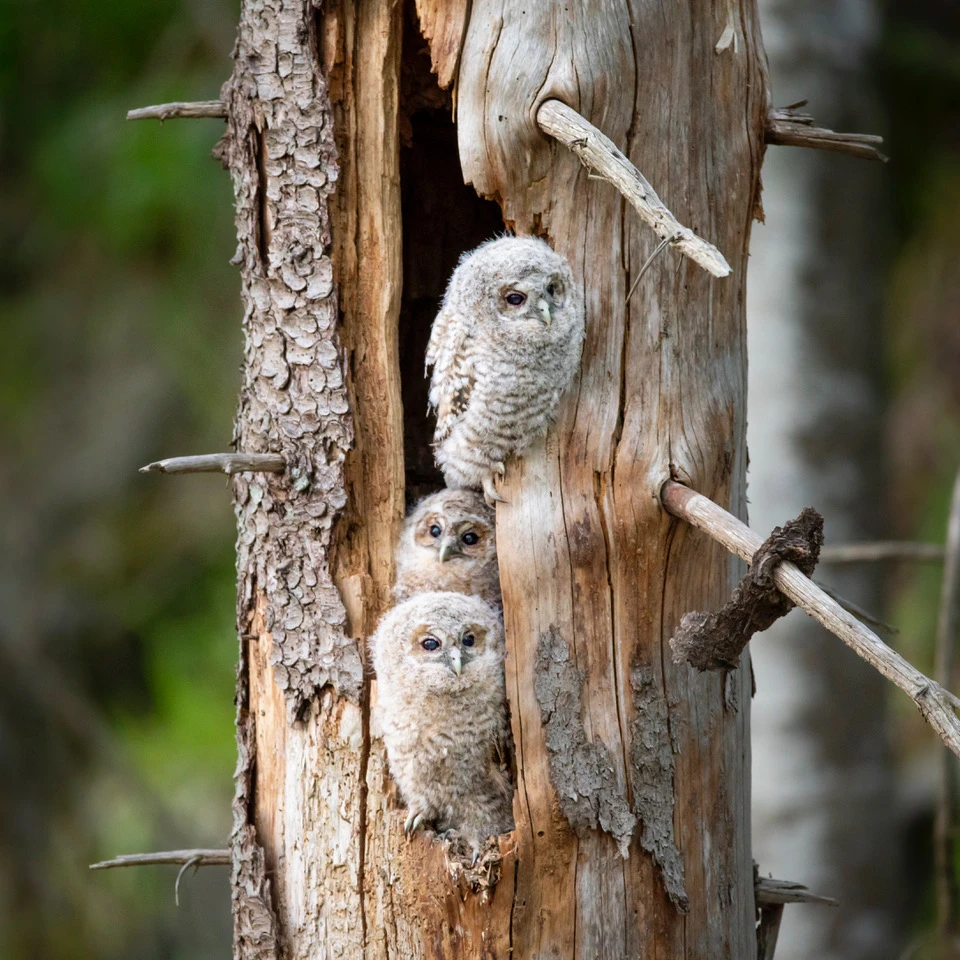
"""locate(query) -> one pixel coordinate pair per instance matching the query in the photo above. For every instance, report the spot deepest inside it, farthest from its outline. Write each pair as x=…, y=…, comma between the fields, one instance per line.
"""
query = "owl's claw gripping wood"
x=490, y=491
x=413, y=821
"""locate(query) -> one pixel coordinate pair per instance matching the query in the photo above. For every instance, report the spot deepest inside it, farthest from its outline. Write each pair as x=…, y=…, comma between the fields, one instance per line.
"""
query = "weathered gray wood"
x=190, y=110
x=585, y=551
x=769, y=891
x=228, y=463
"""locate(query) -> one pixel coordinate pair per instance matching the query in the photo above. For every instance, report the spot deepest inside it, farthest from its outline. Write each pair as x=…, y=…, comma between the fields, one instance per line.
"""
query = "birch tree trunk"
x=348, y=183
x=823, y=778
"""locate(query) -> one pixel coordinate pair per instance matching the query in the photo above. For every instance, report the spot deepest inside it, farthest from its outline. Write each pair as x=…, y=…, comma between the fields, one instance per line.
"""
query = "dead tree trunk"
x=349, y=191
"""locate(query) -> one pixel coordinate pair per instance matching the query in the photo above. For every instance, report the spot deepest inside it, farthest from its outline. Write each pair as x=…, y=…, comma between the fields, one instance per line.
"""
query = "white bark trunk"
x=823, y=781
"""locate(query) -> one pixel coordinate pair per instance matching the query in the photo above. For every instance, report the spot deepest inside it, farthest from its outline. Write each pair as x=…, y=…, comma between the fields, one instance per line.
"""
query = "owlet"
x=449, y=543
x=504, y=346
x=441, y=704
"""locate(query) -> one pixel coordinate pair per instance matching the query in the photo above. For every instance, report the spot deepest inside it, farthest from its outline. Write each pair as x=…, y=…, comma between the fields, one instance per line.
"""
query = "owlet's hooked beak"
x=545, y=314
x=449, y=547
x=455, y=661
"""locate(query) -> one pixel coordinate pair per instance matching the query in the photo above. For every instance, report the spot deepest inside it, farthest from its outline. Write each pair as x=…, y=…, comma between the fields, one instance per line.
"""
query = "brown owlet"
x=504, y=346
x=449, y=543
x=441, y=704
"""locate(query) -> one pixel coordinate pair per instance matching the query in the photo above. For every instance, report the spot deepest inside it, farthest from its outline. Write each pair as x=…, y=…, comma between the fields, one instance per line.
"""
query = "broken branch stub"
x=199, y=109
x=936, y=704
x=786, y=127
x=599, y=152
x=228, y=463
x=714, y=641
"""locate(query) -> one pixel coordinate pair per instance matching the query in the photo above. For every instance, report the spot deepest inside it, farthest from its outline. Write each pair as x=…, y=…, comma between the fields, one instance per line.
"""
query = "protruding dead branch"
x=786, y=127
x=770, y=891
x=882, y=550
x=228, y=463
x=598, y=152
x=945, y=827
x=170, y=111
x=202, y=858
x=189, y=858
x=936, y=704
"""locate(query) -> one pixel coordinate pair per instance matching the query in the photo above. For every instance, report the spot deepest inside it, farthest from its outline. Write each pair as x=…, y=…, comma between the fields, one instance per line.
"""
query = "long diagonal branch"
x=936, y=704
x=599, y=152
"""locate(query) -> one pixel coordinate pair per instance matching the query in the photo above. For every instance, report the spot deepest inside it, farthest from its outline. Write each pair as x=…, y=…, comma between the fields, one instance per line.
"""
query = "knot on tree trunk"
x=714, y=641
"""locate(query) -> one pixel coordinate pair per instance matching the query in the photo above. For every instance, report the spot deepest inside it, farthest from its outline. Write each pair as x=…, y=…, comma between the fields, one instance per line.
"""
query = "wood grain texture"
x=585, y=550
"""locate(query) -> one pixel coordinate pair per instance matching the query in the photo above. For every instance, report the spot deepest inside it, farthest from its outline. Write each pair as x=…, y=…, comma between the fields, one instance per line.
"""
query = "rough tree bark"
x=823, y=777
x=617, y=751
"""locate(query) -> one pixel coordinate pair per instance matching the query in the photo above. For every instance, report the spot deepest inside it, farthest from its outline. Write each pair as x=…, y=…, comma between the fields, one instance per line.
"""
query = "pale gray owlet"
x=449, y=543
x=441, y=705
x=504, y=346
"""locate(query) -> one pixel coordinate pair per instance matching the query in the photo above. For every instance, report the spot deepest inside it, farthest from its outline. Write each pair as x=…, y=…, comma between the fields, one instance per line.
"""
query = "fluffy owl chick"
x=449, y=543
x=441, y=704
x=504, y=346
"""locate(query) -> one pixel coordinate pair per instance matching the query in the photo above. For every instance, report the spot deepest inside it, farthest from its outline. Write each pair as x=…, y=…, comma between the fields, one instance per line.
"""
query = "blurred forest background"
x=120, y=345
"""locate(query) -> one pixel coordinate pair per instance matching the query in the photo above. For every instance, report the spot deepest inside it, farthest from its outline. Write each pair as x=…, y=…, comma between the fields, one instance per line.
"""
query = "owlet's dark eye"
x=430, y=643
x=435, y=531
x=469, y=640
x=515, y=299
x=470, y=538
x=552, y=290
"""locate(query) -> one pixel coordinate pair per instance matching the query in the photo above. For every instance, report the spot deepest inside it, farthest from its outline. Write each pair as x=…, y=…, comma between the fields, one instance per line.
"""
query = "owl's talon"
x=499, y=469
x=410, y=826
x=490, y=491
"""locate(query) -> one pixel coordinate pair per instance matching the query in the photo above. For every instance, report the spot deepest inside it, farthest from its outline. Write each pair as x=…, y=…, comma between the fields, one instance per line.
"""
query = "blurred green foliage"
x=120, y=325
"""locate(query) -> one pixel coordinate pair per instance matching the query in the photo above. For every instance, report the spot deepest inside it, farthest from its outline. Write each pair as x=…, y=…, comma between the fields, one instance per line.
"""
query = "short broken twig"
x=170, y=111
x=882, y=550
x=189, y=858
x=786, y=127
x=937, y=705
x=599, y=152
x=228, y=463
x=202, y=858
x=768, y=890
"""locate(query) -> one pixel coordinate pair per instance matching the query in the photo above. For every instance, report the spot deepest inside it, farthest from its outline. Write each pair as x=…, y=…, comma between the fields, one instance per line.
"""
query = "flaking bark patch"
x=714, y=641
x=581, y=771
x=651, y=776
x=279, y=148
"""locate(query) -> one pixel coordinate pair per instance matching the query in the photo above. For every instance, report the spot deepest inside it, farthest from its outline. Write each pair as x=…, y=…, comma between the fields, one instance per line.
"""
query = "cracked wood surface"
x=584, y=548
